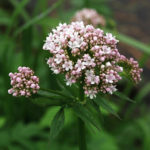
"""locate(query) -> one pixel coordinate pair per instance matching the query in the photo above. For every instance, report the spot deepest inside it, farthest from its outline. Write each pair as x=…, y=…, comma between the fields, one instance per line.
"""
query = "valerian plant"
x=91, y=63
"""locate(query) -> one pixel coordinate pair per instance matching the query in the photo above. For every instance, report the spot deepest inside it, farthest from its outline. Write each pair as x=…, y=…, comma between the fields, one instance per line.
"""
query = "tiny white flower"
x=110, y=78
x=108, y=64
x=80, y=65
x=67, y=65
x=58, y=58
x=75, y=44
x=69, y=81
x=91, y=94
x=102, y=66
x=110, y=37
x=89, y=61
x=55, y=70
x=112, y=89
x=93, y=79
x=120, y=69
x=89, y=73
x=106, y=49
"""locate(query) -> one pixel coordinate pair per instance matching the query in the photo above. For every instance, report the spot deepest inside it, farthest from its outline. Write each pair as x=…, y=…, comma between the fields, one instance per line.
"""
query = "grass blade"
x=23, y=12
x=123, y=96
x=16, y=12
x=131, y=41
x=143, y=92
x=38, y=18
x=104, y=104
x=137, y=44
x=47, y=101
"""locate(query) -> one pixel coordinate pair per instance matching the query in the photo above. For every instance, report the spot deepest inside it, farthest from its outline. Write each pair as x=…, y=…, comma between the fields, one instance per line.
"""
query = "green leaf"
x=48, y=116
x=95, y=110
x=42, y=101
x=39, y=17
x=123, y=97
x=48, y=94
x=86, y=115
x=143, y=92
x=57, y=123
x=104, y=104
x=55, y=95
x=95, y=106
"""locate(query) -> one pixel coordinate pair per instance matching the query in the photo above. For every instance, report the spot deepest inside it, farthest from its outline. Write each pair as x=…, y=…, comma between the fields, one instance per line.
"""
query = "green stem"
x=81, y=92
x=81, y=133
x=81, y=125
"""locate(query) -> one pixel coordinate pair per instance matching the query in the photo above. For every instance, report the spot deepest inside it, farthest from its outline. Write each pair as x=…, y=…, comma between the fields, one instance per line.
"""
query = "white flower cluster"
x=83, y=52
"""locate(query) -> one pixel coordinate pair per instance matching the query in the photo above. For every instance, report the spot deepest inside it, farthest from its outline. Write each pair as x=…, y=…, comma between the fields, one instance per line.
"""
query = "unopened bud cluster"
x=23, y=82
x=89, y=16
x=133, y=68
x=87, y=55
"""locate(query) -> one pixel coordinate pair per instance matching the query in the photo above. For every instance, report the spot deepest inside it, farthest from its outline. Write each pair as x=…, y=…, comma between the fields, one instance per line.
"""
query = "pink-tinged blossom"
x=70, y=81
x=91, y=93
x=88, y=61
x=24, y=82
x=80, y=65
x=110, y=78
x=67, y=65
x=111, y=89
x=92, y=79
x=111, y=39
x=83, y=52
x=59, y=58
x=89, y=16
x=106, y=49
x=134, y=70
x=89, y=72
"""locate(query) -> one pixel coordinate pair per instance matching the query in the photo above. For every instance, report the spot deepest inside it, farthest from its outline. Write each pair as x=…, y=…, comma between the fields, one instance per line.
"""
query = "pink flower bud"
x=21, y=82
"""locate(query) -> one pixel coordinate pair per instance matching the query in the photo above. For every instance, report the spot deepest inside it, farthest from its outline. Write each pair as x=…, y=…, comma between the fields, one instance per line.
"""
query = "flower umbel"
x=83, y=52
x=89, y=16
x=24, y=83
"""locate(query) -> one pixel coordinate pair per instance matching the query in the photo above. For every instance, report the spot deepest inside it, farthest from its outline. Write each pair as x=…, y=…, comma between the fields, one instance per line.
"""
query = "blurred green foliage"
x=25, y=125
